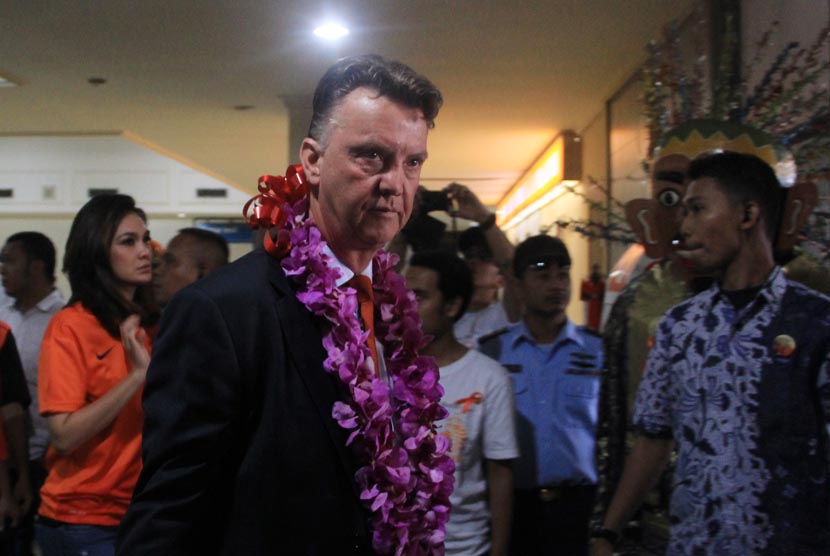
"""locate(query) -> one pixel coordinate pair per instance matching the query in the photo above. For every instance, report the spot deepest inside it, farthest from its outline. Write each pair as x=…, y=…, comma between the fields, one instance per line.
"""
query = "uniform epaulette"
x=491, y=335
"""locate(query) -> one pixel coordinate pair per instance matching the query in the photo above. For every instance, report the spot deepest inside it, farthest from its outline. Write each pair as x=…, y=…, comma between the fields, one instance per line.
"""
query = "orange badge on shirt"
x=783, y=345
x=475, y=397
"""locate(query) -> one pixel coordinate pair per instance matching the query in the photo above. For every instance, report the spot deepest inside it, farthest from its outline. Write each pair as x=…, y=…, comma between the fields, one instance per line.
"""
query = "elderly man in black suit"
x=248, y=442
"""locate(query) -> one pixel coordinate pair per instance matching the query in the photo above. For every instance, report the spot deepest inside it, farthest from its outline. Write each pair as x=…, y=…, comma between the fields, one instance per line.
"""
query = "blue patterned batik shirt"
x=745, y=395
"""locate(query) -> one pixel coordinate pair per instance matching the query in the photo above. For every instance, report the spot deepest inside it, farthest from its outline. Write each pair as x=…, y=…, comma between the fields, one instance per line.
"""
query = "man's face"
x=487, y=280
x=711, y=227
x=14, y=269
x=364, y=171
x=436, y=316
x=546, y=291
x=178, y=268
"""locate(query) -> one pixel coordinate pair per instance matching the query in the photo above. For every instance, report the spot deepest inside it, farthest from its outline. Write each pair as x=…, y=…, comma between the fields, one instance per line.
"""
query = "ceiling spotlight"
x=331, y=31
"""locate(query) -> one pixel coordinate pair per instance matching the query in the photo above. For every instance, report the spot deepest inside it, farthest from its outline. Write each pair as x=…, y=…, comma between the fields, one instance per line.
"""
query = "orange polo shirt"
x=79, y=363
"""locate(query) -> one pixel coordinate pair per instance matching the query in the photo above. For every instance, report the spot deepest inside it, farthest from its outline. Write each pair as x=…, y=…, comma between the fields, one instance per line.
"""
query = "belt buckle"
x=548, y=494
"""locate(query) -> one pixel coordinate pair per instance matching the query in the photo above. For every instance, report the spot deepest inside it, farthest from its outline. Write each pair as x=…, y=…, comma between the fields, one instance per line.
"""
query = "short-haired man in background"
x=556, y=368
x=489, y=253
x=189, y=256
x=478, y=395
x=27, y=266
x=738, y=381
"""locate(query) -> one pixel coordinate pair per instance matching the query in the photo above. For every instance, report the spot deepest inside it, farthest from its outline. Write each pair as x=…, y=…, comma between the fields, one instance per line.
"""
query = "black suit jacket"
x=241, y=454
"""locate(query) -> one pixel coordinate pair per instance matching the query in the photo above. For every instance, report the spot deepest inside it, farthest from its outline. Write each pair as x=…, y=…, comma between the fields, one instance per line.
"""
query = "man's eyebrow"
x=369, y=146
x=372, y=145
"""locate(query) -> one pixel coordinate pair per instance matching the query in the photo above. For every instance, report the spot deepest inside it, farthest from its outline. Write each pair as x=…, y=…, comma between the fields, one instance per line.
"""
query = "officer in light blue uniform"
x=556, y=367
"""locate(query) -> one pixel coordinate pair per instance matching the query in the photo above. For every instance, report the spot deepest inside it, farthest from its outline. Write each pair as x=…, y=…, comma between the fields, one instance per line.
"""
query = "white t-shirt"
x=474, y=324
x=478, y=394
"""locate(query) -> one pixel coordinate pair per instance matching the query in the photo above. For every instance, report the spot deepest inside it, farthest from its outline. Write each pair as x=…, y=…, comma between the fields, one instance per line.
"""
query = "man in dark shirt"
x=14, y=399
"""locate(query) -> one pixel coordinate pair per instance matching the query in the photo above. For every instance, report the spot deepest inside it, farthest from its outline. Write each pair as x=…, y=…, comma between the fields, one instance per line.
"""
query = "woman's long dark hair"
x=86, y=262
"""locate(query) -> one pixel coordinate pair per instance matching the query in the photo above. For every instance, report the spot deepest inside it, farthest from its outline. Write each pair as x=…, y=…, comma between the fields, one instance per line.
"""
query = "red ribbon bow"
x=272, y=207
x=274, y=193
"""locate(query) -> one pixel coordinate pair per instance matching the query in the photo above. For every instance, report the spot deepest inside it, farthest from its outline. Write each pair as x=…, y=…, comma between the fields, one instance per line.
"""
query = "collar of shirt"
x=772, y=291
x=46, y=305
x=520, y=333
x=346, y=273
x=49, y=303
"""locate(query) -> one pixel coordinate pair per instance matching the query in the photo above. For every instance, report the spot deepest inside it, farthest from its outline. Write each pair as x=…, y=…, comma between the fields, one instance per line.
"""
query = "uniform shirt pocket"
x=578, y=400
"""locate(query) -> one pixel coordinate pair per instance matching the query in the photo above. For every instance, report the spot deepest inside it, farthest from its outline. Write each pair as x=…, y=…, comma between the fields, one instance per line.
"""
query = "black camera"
x=434, y=200
x=424, y=231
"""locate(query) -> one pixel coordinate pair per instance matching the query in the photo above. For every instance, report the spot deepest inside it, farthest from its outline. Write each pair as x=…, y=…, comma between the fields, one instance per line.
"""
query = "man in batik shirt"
x=738, y=380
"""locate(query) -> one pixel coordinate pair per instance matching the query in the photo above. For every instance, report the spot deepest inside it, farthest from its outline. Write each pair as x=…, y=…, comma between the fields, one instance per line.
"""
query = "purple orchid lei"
x=408, y=478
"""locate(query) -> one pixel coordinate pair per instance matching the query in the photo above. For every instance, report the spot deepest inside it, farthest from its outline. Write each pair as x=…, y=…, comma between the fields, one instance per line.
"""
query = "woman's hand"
x=133, y=339
x=70, y=430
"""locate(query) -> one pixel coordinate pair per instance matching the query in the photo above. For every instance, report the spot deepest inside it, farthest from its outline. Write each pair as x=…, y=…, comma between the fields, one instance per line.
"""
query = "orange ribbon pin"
x=475, y=397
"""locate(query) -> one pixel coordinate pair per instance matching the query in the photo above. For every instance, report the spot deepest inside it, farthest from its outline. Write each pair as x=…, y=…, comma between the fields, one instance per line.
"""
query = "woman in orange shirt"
x=93, y=362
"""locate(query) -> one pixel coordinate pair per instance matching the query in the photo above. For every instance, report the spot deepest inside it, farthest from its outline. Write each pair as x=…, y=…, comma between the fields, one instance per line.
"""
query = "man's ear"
x=452, y=308
x=310, y=154
x=36, y=266
x=501, y=281
x=751, y=215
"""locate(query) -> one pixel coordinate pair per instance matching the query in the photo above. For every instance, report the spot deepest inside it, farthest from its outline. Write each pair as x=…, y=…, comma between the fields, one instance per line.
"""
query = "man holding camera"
x=485, y=248
x=489, y=254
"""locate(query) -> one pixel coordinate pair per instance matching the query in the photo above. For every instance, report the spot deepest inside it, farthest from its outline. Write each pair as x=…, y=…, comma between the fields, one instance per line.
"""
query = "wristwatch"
x=609, y=535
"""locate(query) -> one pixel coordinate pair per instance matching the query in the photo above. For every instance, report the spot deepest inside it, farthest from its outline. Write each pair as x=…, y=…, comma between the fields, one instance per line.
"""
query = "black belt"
x=552, y=493
x=49, y=522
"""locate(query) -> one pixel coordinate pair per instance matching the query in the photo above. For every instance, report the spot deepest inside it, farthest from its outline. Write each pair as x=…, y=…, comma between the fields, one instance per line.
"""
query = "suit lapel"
x=304, y=342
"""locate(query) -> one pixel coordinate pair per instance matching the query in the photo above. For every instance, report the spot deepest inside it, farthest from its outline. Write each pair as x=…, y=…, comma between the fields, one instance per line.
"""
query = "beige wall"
x=68, y=166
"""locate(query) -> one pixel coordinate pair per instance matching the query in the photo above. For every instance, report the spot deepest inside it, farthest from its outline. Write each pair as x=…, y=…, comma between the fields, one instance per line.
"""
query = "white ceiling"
x=513, y=73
